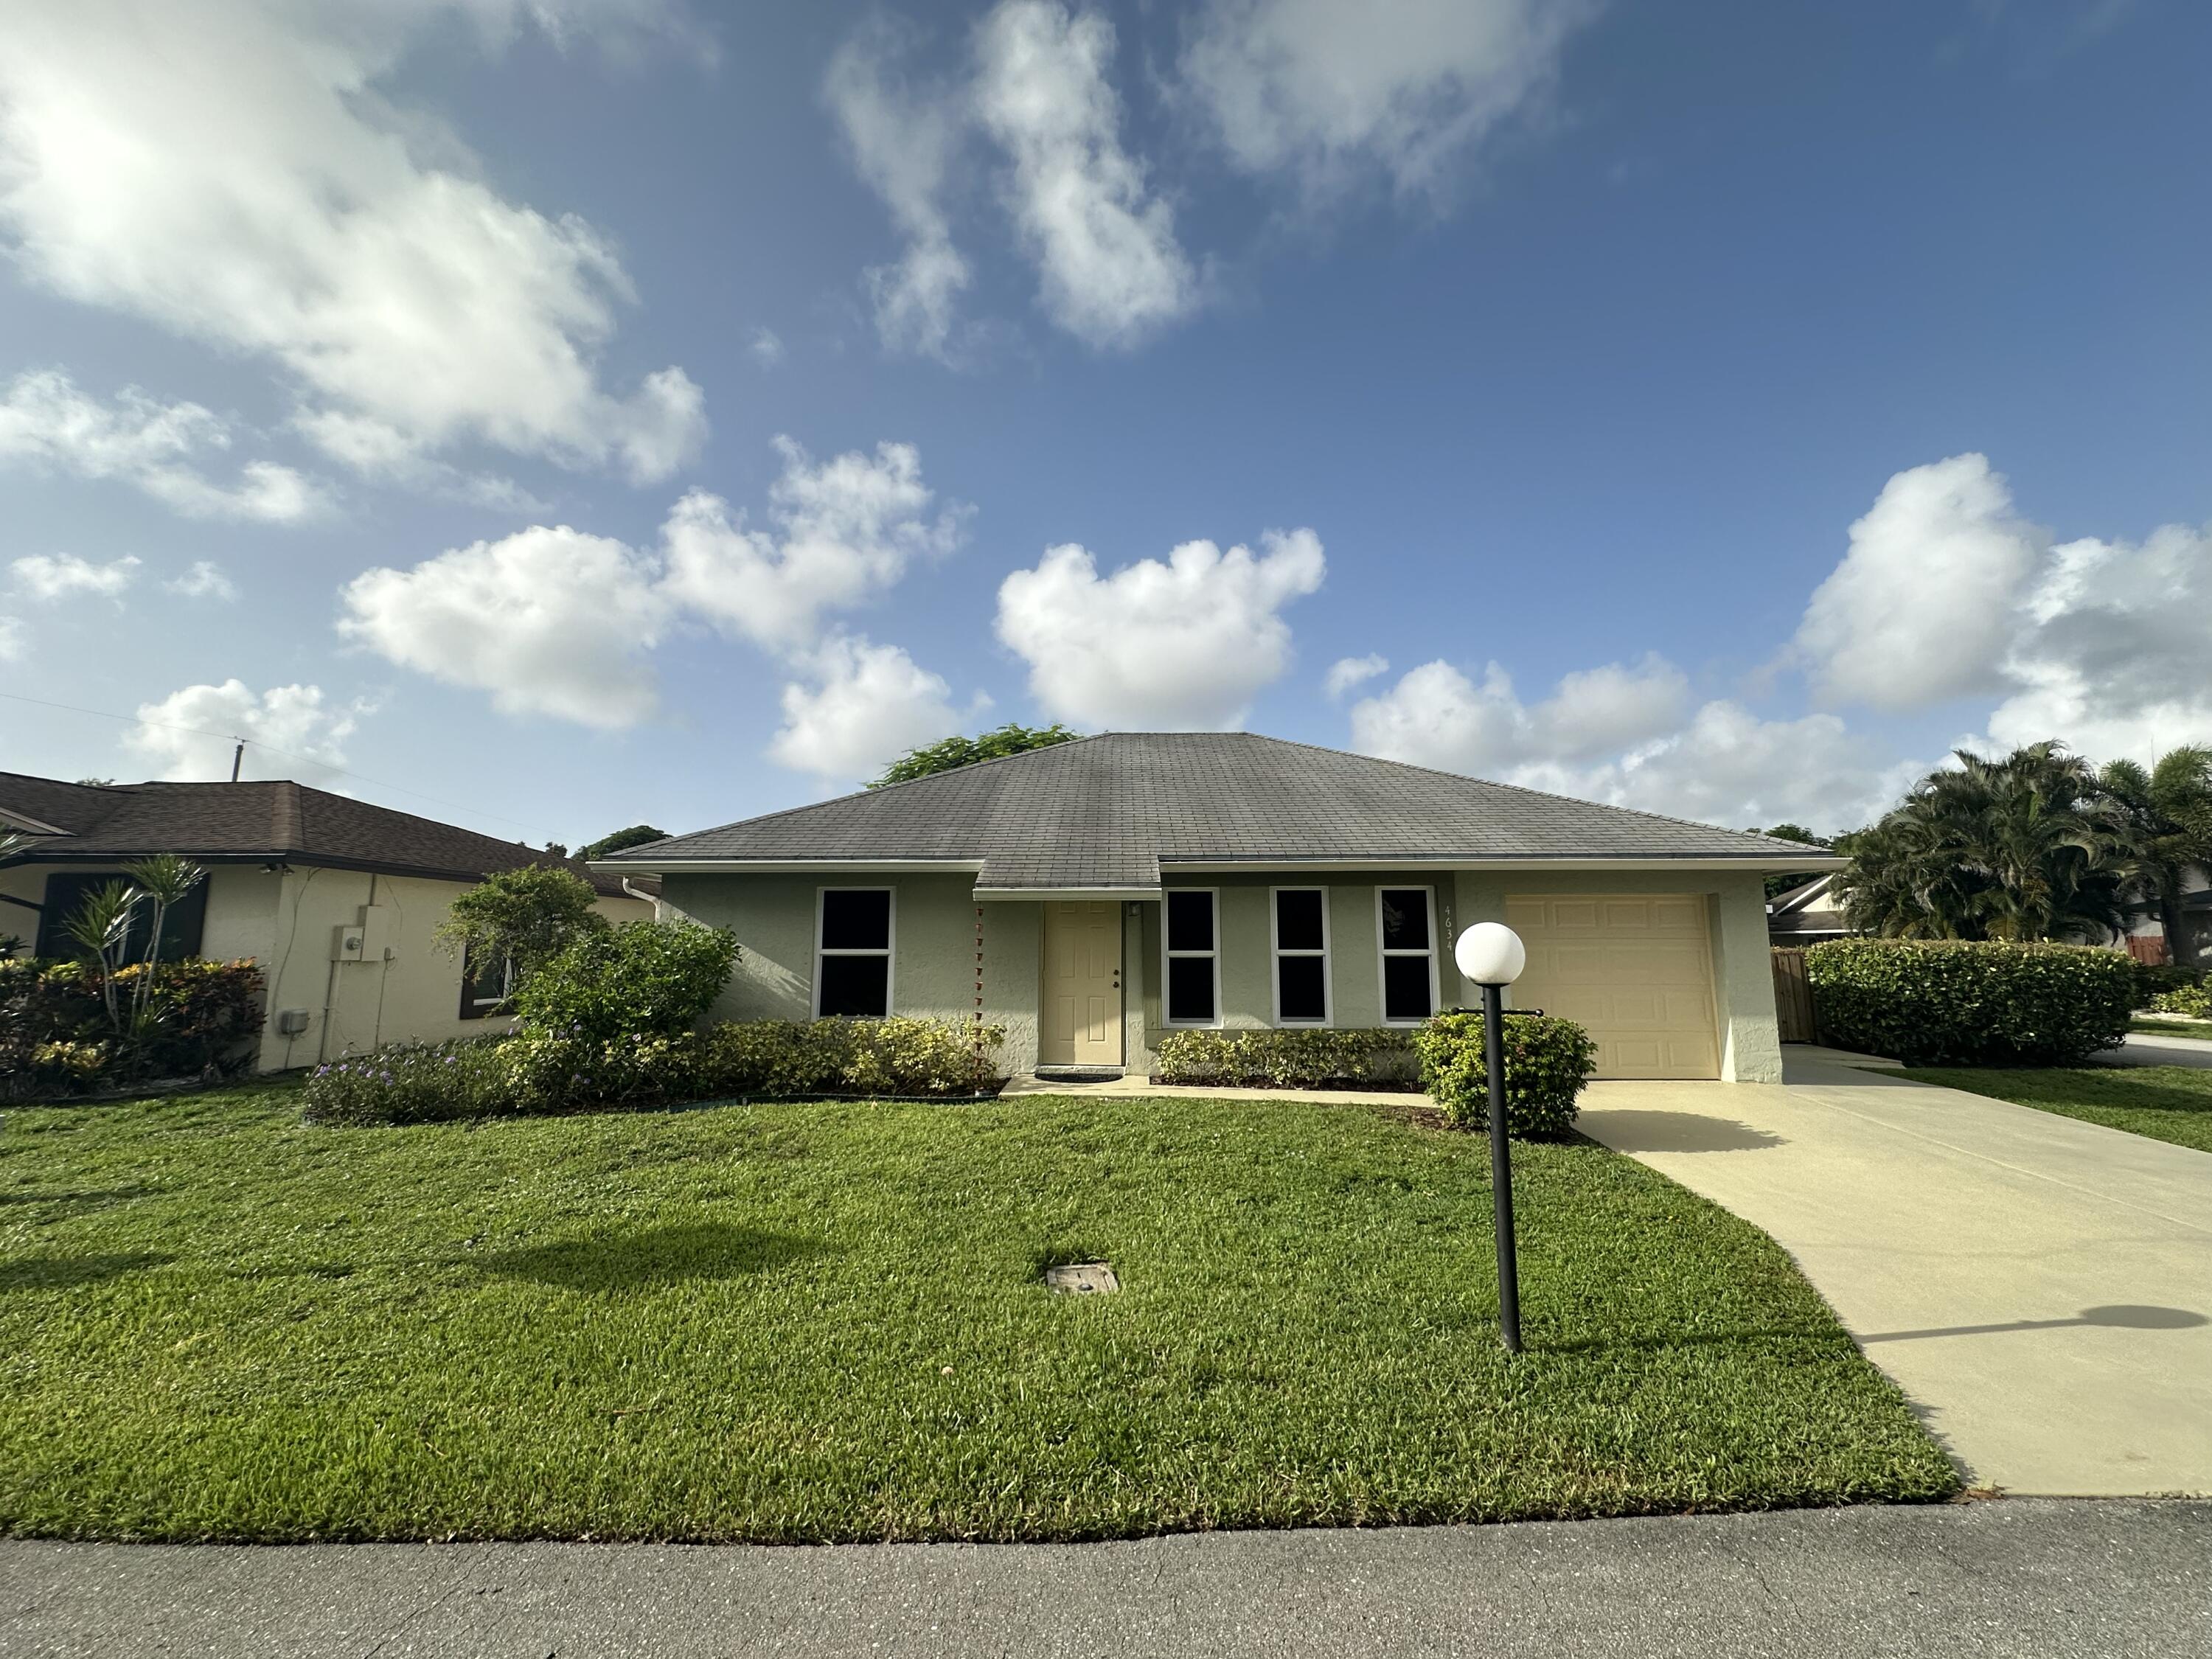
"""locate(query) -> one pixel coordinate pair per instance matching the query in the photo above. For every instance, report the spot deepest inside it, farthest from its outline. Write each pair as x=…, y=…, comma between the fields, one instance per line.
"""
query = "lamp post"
x=1492, y=955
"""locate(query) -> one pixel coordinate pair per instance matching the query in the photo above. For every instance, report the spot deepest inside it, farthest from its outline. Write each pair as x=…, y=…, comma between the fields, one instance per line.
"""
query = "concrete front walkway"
x=2039, y=1287
x=2012, y=1580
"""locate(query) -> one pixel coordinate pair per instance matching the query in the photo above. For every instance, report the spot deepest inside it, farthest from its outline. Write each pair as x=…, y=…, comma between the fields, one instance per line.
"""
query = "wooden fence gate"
x=1793, y=996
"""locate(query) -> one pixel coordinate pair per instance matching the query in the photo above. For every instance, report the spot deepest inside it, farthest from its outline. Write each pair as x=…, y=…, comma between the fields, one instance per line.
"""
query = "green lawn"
x=2166, y=1103
x=824, y=1322
x=2156, y=1025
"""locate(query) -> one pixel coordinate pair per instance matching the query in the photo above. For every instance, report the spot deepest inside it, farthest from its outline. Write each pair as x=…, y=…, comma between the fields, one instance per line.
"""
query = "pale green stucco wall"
x=934, y=950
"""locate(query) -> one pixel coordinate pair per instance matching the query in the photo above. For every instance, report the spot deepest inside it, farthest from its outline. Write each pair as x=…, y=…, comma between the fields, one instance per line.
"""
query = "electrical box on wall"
x=290, y=1021
x=346, y=942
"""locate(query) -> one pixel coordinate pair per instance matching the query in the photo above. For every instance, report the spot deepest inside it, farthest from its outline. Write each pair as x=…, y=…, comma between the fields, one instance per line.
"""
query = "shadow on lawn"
x=664, y=1256
x=58, y=1273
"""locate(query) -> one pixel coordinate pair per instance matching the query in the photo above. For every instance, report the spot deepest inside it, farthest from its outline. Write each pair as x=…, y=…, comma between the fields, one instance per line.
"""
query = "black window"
x=180, y=927
x=485, y=984
x=1192, y=958
x=1301, y=955
x=1409, y=960
x=853, y=959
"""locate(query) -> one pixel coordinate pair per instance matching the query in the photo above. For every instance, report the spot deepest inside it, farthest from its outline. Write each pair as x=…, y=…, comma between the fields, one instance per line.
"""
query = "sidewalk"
x=2020, y=1579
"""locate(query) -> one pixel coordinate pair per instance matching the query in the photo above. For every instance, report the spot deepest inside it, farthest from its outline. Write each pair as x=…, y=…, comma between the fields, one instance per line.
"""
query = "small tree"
x=525, y=917
x=1782, y=881
x=100, y=930
x=2168, y=808
x=636, y=835
x=164, y=882
x=1009, y=739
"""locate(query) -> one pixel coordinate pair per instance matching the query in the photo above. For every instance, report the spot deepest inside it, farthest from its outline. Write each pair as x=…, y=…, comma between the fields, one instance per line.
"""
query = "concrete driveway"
x=2040, y=1288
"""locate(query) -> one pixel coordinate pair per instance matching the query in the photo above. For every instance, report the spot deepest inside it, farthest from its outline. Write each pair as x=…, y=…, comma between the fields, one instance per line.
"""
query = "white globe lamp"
x=1490, y=953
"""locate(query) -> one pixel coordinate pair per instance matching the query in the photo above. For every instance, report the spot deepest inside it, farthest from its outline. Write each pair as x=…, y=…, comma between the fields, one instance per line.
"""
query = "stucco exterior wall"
x=932, y=949
x=406, y=989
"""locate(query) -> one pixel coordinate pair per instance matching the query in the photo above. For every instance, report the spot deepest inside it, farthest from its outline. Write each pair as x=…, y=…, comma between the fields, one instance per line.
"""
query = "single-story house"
x=335, y=899
x=1098, y=895
x=1806, y=913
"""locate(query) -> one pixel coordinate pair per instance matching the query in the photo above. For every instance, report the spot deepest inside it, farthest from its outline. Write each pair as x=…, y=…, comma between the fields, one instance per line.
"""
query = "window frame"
x=888, y=951
x=1384, y=953
x=500, y=1007
x=1276, y=953
x=1167, y=954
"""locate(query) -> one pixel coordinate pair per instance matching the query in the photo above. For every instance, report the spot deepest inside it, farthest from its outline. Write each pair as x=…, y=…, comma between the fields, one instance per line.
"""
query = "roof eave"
x=715, y=866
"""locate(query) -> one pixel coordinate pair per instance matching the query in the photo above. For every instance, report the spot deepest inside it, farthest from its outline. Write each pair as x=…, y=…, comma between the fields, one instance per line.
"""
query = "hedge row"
x=1954, y=1002
x=534, y=1074
x=1287, y=1059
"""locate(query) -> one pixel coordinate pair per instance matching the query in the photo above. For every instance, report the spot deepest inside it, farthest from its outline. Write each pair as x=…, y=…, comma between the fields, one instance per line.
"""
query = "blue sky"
x=569, y=414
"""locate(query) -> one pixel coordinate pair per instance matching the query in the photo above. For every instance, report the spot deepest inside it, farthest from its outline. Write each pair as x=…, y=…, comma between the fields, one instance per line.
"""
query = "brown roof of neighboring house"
x=281, y=822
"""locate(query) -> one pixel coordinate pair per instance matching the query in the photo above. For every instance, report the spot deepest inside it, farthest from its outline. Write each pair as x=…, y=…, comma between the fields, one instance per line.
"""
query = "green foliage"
x=796, y=1059
x=1547, y=1061
x=411, y=1083
x=2167, y=810
x=610, y=1020
x=1011, y=739
x=1782, y=882
x=2154, y=980
x=526, y=915
x=1285, y=1059
x=636, y=835
x=1969, y=1003
x=57, y=1037
x=2191, y=1001
x=2023, y=848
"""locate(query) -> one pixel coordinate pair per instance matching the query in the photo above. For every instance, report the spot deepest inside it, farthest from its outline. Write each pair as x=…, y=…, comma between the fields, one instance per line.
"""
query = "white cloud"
x=1350, y=672
x=1112, y=270
x=2114, y=650
x=866, y=705
x=902, y=140
x=845, y=530
x=191, y=734
x=1327, y=90
x=204, y=580
x=46, y=421
x=1438, y=715
x=12, y=649
x=1627, y=736
x=766, y=346
x=1185, y=644
x=554, y=620
x=53, y=576
x=550, y=621
x=1924, y=604
x=308, y=221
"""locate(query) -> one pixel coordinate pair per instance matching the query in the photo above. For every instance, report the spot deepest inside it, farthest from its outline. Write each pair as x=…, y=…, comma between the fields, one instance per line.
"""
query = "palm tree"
x=2168, y=813
x=2024, y=847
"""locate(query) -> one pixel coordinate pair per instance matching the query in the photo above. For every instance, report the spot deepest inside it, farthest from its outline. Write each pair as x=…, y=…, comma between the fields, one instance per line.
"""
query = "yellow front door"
x=1080, y=1018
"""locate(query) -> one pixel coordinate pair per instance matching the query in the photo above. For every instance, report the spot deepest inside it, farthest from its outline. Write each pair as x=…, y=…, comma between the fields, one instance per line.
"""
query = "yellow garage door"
x=1635, y=972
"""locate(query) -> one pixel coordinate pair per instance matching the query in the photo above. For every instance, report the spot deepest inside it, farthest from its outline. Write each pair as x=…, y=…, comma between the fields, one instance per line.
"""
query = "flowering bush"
x=412, y=1083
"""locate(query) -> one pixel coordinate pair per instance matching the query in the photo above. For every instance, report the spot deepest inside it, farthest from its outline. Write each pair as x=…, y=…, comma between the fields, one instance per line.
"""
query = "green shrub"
x=643, y=977
x=412, y=1083
x=2155, y=980
x=2192, y=1001
x=1958, y=1002
x=57, y=1038
x=1547, y=1061
x=795, y=1059
x=1286, y=1060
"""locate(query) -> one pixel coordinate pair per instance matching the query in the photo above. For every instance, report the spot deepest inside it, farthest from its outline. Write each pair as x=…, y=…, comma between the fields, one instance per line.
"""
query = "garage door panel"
x=1635, y=971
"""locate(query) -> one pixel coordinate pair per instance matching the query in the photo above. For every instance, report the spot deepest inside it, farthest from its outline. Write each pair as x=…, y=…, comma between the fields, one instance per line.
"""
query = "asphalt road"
x=2036, y=1578
x=2140, y=1050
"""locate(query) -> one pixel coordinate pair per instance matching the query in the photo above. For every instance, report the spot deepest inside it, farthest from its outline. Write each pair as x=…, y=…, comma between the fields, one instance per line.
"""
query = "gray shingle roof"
x=1109, y=810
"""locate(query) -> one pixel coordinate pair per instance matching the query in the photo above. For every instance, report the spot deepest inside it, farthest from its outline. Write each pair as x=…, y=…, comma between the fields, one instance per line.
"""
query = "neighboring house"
x=337, y=900
x=1806, y=913
x=1100, y=894
x=2146, y=937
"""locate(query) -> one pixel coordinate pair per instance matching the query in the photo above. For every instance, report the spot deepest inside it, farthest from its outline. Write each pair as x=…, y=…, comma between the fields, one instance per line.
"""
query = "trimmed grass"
x=2166, y=1102
x=824, y=1322
x=2155, y=1025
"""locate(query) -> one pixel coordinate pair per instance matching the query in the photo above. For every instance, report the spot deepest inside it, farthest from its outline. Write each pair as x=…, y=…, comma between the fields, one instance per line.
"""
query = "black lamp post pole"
x=1501, y=1166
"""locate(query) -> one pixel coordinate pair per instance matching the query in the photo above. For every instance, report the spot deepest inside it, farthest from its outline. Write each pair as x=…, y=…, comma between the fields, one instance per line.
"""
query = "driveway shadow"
x=2120, y=1316
x=57, y=1273
x=1629, y=1131
x=663, y=1256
